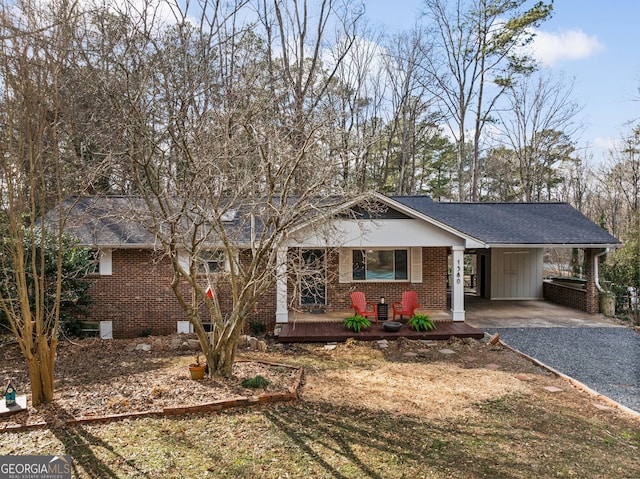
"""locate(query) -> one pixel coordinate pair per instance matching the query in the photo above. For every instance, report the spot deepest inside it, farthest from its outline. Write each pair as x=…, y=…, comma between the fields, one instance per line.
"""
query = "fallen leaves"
x=99, y=378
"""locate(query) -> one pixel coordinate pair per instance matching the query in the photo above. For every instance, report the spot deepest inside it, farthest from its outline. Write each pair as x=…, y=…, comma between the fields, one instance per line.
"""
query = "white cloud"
x=552, y=48
x=608, y=143
x=154, y=11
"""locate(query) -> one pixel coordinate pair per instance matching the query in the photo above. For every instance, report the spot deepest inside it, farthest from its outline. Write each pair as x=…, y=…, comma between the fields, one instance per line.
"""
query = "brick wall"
x=566, y=295
x=592, y=303
x=138, y=298
x=585, y=297
x=432, y=292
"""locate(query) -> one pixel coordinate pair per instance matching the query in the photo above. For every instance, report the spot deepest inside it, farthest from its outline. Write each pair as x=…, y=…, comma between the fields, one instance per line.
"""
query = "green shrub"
x=357, y=323
x=256, y=382
x=421, y=322
x=42, y=252
x=257, y=327
x=621, y=268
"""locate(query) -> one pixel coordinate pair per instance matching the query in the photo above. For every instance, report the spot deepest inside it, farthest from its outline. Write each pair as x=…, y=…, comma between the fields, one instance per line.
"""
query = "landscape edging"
x=240, y=401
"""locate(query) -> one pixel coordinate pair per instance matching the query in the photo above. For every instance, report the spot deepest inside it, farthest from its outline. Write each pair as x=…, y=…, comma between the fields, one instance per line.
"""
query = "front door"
x=313, y=276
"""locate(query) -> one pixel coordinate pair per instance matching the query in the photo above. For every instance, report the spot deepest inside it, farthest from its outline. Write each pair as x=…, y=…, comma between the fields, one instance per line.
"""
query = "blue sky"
x=595, y=44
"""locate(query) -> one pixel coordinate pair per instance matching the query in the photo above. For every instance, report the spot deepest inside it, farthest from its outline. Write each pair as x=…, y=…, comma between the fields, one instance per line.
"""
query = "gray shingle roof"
x=514, y=223
x=115, y=221
x=106, y=221
x=125, y=221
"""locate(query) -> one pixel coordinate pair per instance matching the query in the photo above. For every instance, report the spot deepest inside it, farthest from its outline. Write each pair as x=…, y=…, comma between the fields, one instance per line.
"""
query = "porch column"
x=592, y=297
x=457, y=283
x=282, y=312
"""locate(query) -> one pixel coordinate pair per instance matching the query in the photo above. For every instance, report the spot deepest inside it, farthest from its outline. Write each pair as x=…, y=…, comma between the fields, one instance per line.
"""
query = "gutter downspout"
x=596, y=273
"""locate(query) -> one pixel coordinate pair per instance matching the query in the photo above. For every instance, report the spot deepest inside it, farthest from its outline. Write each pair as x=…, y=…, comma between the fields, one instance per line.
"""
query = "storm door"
x=313, y=277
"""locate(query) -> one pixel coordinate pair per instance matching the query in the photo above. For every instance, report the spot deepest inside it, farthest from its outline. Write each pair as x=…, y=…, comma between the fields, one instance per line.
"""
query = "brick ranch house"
x=411, y=243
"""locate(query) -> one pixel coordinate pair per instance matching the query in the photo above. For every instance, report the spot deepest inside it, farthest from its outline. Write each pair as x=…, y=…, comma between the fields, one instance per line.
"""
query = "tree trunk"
x=461, y=162
x=221, y=353
x=41, y=366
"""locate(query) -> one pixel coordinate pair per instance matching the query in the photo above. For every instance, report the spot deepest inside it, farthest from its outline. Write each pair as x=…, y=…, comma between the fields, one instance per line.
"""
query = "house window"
x=100, y=263
x=212, y=262
x=380, y=265
x=93, y=268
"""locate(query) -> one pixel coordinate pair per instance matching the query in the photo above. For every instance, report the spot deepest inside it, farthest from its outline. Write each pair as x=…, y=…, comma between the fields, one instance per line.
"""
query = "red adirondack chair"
x=407, y=306
x=361, y=307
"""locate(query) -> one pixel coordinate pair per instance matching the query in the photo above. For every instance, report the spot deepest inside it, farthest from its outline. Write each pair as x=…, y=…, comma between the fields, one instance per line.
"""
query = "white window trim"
x=227, y=262
x=208, y=256
x=105, y=267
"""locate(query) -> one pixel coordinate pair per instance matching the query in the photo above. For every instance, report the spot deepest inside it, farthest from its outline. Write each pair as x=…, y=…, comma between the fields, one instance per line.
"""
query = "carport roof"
x=502, y=224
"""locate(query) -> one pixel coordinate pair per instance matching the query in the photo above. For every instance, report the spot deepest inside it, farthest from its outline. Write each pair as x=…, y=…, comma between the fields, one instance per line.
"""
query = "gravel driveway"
x=606, y=360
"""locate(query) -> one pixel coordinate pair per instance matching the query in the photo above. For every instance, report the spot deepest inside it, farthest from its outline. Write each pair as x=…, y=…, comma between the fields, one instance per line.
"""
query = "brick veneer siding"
x=592, y=303
x=137, y=296
x=432, y=292
x=265, y=309
x=584, y=298
x=566, y=295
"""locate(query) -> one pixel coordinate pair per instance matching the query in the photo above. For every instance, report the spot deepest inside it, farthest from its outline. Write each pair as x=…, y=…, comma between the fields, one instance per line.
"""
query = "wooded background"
x=201, y=109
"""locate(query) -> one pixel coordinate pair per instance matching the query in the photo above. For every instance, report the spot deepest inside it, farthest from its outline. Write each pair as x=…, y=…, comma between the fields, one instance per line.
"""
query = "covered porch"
x=433, y=257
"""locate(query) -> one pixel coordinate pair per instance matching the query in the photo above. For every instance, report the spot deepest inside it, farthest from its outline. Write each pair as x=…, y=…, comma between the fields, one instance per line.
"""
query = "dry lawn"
x=457, y=409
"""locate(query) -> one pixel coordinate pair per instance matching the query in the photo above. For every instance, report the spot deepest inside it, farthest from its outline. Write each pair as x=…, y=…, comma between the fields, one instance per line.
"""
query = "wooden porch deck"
x=313, y=332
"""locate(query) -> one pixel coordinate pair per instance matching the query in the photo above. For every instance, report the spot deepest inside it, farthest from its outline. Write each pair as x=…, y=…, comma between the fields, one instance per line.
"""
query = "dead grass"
x=410, y=411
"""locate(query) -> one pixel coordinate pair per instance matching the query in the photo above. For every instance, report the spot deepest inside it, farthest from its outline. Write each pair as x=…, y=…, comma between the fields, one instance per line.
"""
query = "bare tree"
x=577, y=185
x=618, y=199
x=475, y=58
x=410, y=125
x=306, y=46
x=354, y=104
x=34, y=174
x=225, y=145
x=538, y=125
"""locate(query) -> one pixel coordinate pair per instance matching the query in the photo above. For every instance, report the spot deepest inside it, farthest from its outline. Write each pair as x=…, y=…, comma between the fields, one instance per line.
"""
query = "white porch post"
x=457, y=283
x=282, y=312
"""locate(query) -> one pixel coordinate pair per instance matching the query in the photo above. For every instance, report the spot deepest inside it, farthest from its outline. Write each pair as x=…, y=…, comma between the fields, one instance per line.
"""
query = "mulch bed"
x=100, y=380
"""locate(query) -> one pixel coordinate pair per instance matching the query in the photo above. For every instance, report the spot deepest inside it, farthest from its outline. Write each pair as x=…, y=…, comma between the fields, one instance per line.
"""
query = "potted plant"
x=197, y=369
x=421, y=322
x=357, y=323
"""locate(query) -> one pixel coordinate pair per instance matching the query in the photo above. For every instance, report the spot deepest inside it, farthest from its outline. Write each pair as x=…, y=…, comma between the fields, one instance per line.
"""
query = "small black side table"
x=383, y=311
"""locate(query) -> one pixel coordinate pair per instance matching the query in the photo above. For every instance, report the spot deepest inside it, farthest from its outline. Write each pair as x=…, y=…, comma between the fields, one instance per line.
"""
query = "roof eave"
x=119, y=246
x=554, y=245
x=153, y=246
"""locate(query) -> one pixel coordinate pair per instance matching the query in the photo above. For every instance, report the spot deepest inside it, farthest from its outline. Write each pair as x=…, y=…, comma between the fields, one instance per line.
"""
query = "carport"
x=513, y=238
